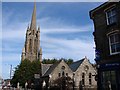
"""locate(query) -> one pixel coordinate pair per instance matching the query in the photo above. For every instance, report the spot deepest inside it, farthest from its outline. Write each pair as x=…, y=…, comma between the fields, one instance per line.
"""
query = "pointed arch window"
x=63, y=73
x=83, y=78
x=66, y=74
x=30, y=45
x=35, y=46
x=59, y=74
x=63, y=70
x=90, y=79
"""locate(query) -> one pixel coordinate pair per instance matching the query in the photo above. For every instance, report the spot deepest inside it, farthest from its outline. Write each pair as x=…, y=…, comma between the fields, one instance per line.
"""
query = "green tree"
x=63, y=82
x=49, y=61
x=68, y=61
x=25, y=72
x=54, y=60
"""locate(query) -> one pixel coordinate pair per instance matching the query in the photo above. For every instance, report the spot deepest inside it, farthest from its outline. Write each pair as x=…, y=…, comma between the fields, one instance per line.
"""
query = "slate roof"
x=45, y=67
x=51, y=68
x=74, y=66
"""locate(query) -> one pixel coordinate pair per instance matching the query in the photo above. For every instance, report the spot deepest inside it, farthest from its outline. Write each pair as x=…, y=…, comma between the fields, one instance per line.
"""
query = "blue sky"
x=66, y=30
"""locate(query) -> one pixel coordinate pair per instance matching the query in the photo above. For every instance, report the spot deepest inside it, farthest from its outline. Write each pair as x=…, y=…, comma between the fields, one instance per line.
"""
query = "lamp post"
x=10, y=71
x=18, y=85
x=49, y=80
x=26, y=85
x=44, y=85
x=73, y=81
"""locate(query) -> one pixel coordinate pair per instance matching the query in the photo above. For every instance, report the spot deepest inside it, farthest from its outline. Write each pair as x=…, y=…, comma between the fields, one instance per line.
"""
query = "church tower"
x=32, y=50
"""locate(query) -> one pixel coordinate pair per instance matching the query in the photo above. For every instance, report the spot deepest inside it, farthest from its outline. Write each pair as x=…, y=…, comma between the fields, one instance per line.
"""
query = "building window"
x=114, y=43
x=58, y=74
x=90, y=79
x=83, y=78
x=63, y=73
x=35, y=46
x=108, y=79
x=111, y=16
x=67, y=74
x=30, y=45
x=63, y=67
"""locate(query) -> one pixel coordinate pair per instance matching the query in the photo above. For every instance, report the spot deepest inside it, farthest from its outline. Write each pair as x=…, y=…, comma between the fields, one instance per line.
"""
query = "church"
x=31, y=49
x=79, y=74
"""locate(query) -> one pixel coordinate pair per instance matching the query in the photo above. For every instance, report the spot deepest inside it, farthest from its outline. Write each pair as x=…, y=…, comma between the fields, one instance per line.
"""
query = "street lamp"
x=49, y=80
x=26, y=84
x=44, y=85
x=18, y=85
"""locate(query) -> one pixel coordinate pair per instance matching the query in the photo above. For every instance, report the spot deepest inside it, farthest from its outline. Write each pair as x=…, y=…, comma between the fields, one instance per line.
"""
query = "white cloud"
x=6, y=70
x=14, y=30
x=47, y=26
x=75, y=49
x=69, y=29
x=59, y=47
x=11, y=57
x=56, y=25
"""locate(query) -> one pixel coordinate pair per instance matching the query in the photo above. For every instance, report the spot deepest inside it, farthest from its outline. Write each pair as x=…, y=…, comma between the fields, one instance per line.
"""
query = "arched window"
x=90, y=79
x=83, y=78
x=35, y=46
x=63, y=69
x=59, y=75
x=63, y=73
x=66, y=74
x=30, y=45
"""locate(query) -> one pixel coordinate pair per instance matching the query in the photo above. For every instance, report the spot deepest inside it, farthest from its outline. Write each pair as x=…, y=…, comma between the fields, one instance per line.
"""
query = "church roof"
x=45, y=67
x=51, y=68
x=74, y=66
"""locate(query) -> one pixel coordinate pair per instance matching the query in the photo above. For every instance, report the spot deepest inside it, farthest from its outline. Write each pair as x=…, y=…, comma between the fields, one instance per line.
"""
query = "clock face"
x=86, y=68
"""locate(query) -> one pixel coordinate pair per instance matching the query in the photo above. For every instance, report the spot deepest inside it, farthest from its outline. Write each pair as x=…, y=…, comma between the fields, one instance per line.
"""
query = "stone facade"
x=74, y=72
x=62, y=69
x=84, y=74
x=32, y=50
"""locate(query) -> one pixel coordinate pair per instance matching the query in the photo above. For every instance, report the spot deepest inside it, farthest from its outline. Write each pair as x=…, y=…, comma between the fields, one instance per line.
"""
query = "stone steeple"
x=33, y=21
x=31, y=50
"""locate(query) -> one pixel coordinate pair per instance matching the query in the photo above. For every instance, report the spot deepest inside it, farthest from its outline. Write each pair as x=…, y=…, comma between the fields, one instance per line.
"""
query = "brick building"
x=106, y=19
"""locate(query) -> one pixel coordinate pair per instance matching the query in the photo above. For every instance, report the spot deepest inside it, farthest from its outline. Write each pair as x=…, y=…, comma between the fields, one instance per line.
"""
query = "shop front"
x=109, y=76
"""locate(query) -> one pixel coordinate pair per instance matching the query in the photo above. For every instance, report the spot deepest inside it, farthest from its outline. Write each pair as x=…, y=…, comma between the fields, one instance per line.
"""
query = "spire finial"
x=33, y=21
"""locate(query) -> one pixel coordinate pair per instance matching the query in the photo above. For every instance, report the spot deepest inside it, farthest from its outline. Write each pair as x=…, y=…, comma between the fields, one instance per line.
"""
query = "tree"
x=49, y=61
x=63, y=82
x=54, y=60
x=25, y=72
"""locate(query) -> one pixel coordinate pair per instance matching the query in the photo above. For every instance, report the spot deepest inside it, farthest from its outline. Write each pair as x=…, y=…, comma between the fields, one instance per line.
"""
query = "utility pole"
x=10, y=71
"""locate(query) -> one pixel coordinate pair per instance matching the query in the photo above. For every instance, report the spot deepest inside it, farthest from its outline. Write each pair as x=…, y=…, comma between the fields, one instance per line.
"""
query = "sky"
x=65, y=31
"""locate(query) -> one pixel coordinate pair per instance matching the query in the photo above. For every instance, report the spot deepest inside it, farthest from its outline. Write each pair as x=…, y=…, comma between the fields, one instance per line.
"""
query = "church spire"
x=33, y=21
